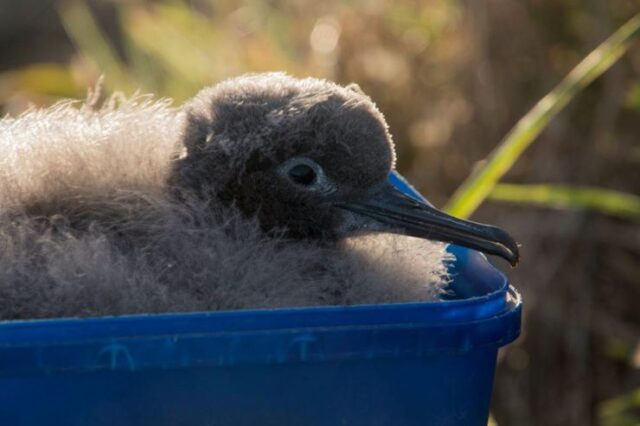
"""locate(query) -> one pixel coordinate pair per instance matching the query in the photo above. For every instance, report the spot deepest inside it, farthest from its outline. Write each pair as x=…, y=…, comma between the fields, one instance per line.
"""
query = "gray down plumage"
x=142, y=207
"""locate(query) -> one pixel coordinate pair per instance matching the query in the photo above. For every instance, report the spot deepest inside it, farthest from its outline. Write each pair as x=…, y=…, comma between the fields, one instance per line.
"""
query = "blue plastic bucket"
x=403, y=364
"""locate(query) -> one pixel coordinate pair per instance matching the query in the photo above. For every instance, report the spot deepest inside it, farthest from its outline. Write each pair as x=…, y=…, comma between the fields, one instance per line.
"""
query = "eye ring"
x=305, y=174
x=302, y=174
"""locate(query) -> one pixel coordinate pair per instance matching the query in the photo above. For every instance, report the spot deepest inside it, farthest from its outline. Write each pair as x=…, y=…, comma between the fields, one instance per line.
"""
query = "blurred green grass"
x=173, y=50
x=623, y=410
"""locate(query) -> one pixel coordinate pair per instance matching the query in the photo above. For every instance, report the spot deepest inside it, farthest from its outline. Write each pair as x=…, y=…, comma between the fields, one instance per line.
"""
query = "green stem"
x=606, y=201
x=479, y=185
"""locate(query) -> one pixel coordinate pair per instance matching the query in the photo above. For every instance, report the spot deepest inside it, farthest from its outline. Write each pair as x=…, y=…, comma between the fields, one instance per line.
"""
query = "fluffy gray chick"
x=264, y=199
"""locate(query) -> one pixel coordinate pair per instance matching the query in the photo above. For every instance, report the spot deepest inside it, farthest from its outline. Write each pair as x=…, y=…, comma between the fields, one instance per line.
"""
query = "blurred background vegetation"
x=453, y=77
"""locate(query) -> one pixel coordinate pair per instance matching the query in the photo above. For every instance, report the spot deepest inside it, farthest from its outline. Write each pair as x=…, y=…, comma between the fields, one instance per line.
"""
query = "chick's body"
x=107, y=212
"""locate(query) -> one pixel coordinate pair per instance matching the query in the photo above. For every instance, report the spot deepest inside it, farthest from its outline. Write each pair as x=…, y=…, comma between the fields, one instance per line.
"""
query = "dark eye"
x=302, y=174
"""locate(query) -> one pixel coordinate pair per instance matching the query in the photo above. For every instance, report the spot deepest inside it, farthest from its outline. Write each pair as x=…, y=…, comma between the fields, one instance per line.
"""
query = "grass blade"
x=606, y=201
x=620, y=411
x=93, y=44
x=480, y=184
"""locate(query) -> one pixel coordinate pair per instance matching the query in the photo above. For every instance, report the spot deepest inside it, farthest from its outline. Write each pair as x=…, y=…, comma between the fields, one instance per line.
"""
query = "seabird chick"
x=263, y=191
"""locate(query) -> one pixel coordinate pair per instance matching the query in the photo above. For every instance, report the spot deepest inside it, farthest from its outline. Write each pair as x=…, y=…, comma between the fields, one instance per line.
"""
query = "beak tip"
x=513, y=256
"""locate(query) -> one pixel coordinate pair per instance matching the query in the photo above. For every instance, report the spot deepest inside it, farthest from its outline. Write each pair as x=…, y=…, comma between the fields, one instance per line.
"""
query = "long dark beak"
x=399, y=213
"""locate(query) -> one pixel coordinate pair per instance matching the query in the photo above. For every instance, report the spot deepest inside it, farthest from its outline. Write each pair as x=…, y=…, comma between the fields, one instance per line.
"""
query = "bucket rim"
x=80, y=349
x=440, y=314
